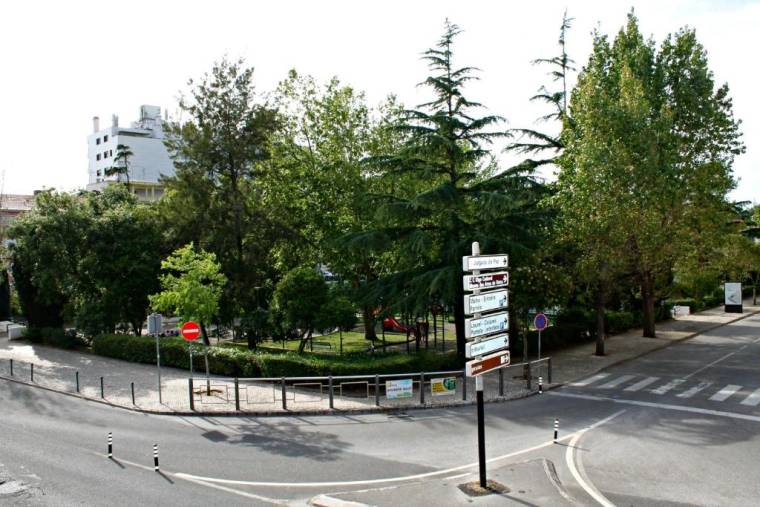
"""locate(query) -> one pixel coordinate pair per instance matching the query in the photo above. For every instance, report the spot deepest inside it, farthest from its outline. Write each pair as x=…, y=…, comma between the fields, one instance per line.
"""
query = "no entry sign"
x=190, y=330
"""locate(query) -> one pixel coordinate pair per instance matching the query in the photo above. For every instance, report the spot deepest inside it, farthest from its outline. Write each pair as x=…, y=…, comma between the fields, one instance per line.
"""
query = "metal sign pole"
x=158, y=363
x=479, y=400
x=539, y=344
x=208, y=379
x=191, y=359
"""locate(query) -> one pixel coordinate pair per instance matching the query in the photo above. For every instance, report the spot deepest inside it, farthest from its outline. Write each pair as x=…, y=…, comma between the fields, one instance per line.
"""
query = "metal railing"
x=281, y=394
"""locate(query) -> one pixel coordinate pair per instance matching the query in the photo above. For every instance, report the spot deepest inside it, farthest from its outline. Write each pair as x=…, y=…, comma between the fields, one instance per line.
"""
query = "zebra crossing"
x=681, y=388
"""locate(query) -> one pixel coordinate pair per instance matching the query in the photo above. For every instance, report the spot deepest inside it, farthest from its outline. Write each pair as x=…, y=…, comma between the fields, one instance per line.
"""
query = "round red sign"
x=190, y=331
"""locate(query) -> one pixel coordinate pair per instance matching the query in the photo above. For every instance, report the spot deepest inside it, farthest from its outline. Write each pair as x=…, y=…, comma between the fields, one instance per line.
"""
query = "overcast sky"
x=65, y=62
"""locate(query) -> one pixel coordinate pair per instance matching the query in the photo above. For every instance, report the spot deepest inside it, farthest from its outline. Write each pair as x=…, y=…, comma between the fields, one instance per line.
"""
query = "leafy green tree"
x=192, y=285
x=218, y=153
x=120, y=262
x=327, y=131
x=651, y=143
x=5, y=295
x=460, y=199
x=338, y=313
x=299, y=301
x=45, y=257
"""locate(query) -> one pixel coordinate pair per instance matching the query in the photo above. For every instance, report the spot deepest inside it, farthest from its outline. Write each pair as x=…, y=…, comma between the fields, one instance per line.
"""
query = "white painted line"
x=549, y=443
x=580, y=479
x=642, y=384
x=614, y=383
x=694, y=390
x=590, y=380
x=725, y=393
x=664, y=406
x=753, y=399
x=709, y=365
x=667, y=387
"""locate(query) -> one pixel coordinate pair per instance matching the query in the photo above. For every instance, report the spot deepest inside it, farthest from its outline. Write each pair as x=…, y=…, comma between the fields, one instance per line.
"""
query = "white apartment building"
x=148, y=162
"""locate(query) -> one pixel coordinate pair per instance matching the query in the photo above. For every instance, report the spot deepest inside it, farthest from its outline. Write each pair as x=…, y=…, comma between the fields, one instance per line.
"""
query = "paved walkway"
x=56, y=369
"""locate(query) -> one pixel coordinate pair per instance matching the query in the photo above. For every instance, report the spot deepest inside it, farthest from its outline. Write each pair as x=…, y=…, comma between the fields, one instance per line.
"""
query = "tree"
x=338, y=313
x=121, y=163
x=120, y=262
x=192, y=285
x=45, y=257
x=217, y=153
x=651, y=143
x=539, y=142
x=5, y=296
x=459, y=197
x=327, y=131
x=299, y=301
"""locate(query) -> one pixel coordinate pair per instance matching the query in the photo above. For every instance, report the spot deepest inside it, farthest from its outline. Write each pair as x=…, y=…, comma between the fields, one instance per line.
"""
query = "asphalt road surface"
x=680, y=426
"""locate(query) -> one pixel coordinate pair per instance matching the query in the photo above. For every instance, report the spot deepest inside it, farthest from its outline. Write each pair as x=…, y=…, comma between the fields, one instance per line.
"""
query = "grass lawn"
x=330, y=344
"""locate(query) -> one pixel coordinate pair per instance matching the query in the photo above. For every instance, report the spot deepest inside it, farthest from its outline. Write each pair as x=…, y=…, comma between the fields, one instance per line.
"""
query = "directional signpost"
x=489, y=333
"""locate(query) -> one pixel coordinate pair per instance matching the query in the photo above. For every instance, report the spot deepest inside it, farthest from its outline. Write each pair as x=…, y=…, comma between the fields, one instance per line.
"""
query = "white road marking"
x=709, y=365
x=664, y=406
x=579, y=478
x=642, y=384
x=590, y=380
x=694, y=390
x=667, y=387
x=614, y=383
x=753, y=399
x=724, y=393
x=425, y=475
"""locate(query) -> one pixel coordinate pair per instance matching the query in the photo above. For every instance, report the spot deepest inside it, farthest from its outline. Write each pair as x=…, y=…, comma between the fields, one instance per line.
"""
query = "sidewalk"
x=56, y=369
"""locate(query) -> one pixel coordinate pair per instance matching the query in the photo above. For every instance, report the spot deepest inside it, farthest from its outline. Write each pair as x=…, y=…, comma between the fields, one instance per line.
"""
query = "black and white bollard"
x=556, y=429
x=155, y=457
x=110, y=445
x=540, y=385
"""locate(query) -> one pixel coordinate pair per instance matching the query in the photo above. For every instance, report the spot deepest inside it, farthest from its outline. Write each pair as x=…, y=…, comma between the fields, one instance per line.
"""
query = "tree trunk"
x=368, y=320
x=754, y=294
x=204, y=334
x=647, y=299
x=305, y=338
x=600, y=334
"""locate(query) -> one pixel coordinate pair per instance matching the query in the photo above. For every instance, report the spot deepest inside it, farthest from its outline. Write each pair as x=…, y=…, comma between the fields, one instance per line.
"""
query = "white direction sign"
x=495, y=323
x=477, y=303
x=475, y=349
x=486, y=281
x=480, y=262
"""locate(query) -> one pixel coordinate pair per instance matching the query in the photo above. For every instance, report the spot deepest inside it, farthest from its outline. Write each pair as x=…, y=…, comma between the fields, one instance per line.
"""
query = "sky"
x=61, y=63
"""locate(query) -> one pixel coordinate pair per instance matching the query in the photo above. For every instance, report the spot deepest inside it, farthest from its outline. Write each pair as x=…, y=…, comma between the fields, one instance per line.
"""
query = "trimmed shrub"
x=55, y=337
x=238, y=362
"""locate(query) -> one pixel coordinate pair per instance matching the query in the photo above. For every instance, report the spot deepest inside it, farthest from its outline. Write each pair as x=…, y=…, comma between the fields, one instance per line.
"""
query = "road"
x=680, y=426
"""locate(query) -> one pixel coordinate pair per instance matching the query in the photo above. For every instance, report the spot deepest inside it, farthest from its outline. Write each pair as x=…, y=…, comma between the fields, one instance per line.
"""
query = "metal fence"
x=292, y=394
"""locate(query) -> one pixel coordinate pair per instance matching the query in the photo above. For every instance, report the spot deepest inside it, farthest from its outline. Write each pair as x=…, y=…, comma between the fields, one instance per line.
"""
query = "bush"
x=55, y=337
x=618, y=322
x=238, y=362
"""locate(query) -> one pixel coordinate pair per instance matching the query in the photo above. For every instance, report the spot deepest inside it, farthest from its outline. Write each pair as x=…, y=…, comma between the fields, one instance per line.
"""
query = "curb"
x=664, y=345
x=322, y=412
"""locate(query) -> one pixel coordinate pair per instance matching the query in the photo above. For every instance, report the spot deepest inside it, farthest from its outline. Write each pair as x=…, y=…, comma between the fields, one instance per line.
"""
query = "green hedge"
x=236, y=362
x=55, y=337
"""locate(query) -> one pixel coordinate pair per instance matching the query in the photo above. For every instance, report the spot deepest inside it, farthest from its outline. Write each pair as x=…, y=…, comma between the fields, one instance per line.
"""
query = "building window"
x=110, y=153
x=97, y=157
x=97, y=141
x=98, y=172
x=105, y=139
x=105, y=154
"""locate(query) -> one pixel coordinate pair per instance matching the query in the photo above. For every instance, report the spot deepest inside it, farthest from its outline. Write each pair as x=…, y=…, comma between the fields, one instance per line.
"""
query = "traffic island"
x=492, y=488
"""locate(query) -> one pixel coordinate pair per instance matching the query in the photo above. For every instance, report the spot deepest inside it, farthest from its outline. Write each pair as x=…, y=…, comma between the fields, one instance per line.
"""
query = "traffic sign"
x=494, y=323
x=540, y=322
x=485, y=302
x=486, y=364
x=480, y=262
x=487, y=346
x=487, y=281
x=190, y=331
